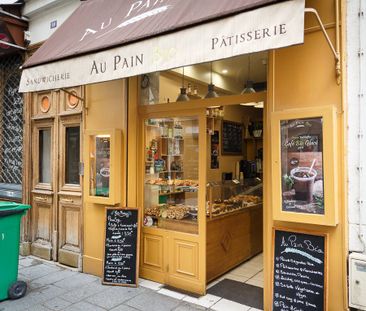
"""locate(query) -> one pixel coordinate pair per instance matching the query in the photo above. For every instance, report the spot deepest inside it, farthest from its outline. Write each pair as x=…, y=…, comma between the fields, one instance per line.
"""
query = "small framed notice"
x=304, y=160
x=299, y=270
x=120, y=261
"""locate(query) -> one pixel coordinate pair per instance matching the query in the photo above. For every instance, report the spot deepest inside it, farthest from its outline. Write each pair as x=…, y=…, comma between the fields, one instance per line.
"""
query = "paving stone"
x=185, y=306
x=123, y=308
x=33, y=298
x=52, y=278
x=75, y=281
x=29, y=262
x=151, y=301
x=35, y=272
x=114, y=296
x=83, y=306
x=38, y=308
x=57, y=304
x=85, y=291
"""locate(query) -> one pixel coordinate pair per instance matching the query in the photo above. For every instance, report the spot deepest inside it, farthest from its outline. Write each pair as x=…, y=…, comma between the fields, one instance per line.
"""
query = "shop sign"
x=266, y=28
x=299, y=270
x=302, y=165
x=120, y=262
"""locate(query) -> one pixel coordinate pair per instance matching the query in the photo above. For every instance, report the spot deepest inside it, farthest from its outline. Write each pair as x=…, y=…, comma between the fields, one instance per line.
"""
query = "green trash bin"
x=10, y=216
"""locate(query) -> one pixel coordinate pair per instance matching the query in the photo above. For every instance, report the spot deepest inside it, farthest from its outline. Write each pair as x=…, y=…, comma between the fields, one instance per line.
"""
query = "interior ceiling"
x=242, y=68
x=238, y=70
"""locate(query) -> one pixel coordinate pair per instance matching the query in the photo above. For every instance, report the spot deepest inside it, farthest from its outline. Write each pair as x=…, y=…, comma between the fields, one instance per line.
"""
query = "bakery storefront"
x=223, y=123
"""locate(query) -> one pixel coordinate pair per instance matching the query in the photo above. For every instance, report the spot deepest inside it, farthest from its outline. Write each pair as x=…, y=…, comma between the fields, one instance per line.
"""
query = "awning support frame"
x=12, y=45
x=72, y=94
x=334, y=50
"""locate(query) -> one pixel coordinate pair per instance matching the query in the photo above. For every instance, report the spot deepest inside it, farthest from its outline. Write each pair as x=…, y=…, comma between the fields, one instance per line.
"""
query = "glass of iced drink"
x=303, y=183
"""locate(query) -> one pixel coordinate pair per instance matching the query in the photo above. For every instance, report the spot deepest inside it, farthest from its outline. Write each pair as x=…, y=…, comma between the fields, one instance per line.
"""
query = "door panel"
x=70, y=194
x=70, y=234
x=43, y=220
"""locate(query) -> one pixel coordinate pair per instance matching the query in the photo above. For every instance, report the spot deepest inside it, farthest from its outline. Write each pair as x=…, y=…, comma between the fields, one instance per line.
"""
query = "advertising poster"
x=302, y=165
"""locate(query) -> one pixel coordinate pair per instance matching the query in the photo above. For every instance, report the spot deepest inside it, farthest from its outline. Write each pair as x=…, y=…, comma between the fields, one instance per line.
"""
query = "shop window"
x=100, y=164
x=72, y=155
x=171, y=174
x=103, y=166
x=45, y=156
x=237, y=75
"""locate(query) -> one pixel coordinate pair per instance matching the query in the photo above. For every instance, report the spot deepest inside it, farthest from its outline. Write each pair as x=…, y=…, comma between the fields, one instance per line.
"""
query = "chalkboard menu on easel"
x=232, y=138
x=299, y=270
x=120, y=264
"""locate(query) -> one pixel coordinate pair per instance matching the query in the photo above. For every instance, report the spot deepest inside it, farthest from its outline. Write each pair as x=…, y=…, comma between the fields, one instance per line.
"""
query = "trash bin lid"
x=8, y=205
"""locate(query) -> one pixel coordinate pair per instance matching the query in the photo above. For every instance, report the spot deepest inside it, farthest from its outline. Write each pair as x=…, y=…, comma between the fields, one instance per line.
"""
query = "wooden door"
x=56, y=181
x=44, y=224
x=69, y=196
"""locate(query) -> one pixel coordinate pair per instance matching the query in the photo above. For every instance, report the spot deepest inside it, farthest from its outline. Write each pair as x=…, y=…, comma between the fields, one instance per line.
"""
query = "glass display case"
x=103, y=166
x=229, y=196
x=171, y=174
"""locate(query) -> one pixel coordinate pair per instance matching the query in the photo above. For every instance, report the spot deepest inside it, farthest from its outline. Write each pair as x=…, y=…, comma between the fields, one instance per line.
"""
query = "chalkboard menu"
x=121, y=247
x=299, y=271
x=232, y=138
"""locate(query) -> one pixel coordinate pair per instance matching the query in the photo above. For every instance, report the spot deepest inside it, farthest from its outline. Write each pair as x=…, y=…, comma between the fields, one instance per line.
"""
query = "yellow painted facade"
x=302, y=76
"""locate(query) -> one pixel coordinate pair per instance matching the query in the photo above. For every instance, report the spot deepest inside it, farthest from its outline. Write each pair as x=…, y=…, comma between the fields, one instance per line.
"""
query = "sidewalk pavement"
x=52, y=287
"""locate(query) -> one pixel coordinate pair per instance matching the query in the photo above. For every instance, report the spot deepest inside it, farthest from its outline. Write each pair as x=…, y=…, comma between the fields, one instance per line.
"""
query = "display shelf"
x=229, y=197
x=170, y=193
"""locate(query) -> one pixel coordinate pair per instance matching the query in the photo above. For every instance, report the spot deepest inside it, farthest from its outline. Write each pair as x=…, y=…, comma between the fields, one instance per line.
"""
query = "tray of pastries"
x=166, y=211
x=221, y=207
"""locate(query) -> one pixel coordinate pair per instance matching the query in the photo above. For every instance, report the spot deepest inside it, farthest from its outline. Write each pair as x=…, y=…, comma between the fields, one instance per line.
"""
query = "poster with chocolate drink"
x=302, y=165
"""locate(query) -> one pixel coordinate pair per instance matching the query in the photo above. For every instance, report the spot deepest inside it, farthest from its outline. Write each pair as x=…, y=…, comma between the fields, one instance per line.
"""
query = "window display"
x=171, y=174
x=100, y=166
x=103, y=168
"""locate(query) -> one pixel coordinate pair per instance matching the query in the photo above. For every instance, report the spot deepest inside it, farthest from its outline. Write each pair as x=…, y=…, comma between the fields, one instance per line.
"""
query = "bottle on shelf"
x=189, y=89
x=170, y=132
x=178, y=130
x=195, y=90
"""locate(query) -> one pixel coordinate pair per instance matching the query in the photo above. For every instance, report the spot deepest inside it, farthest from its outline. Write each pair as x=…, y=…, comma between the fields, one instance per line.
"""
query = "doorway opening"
x=234, y=240
x=203, y=182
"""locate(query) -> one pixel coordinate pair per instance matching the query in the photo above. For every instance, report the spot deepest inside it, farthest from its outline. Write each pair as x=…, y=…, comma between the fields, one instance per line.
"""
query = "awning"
x=105, y=40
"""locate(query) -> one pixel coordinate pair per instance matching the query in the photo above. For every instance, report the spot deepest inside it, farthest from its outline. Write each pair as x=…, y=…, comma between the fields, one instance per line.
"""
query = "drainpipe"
x=362, y=116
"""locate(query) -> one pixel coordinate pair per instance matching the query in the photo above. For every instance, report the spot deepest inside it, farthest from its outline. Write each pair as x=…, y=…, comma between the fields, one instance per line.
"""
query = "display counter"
x=234, y=225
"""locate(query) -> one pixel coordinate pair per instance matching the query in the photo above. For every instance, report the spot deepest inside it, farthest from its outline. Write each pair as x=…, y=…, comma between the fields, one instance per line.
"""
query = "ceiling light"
x=182, y=97
x=211, y=88
x=248, y=88
x=224, y=71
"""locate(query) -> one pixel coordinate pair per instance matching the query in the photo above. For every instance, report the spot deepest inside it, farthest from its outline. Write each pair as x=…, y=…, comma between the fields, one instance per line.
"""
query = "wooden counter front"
x=233, y=238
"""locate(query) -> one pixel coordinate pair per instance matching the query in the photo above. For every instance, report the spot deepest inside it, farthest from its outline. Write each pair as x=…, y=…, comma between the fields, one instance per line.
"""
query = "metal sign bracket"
x=334, y=50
